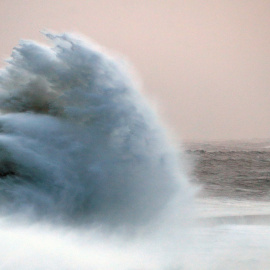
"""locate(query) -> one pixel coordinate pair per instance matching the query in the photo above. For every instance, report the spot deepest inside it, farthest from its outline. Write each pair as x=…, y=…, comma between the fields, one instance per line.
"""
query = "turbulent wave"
x=78, y=142
x=90, y=180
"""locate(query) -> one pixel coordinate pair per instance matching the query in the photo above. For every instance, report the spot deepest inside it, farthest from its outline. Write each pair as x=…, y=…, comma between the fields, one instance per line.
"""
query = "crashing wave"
x=78, y=142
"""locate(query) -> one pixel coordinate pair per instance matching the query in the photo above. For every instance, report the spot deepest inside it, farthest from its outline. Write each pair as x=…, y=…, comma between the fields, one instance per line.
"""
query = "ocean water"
x=90, y=179
x=233, y=202
x=236, y=170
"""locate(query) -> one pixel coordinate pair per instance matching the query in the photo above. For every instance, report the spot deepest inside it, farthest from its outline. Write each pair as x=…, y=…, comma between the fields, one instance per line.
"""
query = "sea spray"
x=89, y=178
x=79, y=144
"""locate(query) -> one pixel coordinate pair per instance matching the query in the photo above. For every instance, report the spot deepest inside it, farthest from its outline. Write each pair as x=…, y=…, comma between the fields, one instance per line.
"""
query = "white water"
x=89, y=178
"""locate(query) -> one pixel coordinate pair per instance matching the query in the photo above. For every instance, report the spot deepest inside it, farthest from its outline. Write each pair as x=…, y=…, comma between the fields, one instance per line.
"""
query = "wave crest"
x=79, y=141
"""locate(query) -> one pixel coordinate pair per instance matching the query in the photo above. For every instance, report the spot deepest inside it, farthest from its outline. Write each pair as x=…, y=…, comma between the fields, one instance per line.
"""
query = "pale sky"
x=204, y=65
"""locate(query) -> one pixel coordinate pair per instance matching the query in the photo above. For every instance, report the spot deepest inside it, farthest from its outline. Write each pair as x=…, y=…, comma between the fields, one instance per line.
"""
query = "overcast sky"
x=204, y=65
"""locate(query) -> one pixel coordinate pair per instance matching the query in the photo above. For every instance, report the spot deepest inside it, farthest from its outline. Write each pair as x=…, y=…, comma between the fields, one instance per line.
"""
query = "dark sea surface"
x=232, y=170
x=232, y=202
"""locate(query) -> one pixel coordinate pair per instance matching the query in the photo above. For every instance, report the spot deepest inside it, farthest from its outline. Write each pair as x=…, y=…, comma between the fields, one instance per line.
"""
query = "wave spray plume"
x=89, y=178
x=78, y=142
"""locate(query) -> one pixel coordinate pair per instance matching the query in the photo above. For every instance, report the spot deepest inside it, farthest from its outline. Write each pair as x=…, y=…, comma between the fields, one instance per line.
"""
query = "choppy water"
x=236, y=170
x=233, y=204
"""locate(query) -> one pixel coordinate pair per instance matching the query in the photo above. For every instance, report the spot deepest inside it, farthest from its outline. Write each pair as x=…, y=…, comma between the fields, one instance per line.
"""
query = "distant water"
x=233, y=204
x=236, y=170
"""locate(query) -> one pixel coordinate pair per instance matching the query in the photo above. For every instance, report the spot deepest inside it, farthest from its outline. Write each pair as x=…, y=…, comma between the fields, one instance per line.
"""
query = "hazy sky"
x=204, y=64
